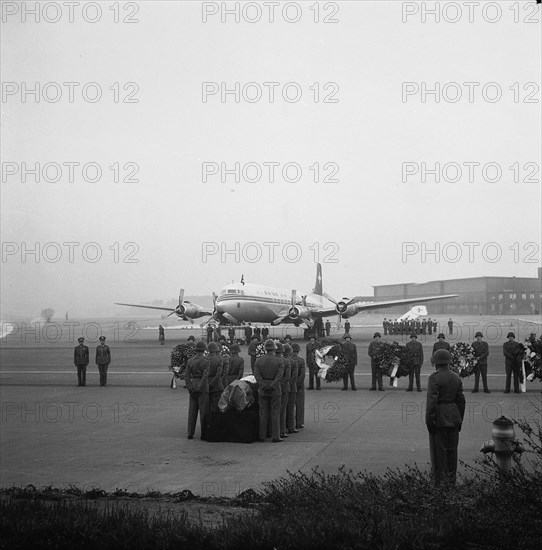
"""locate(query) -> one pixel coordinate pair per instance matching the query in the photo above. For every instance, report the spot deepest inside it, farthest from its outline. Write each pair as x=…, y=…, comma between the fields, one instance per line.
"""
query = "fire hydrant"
x=504, y=443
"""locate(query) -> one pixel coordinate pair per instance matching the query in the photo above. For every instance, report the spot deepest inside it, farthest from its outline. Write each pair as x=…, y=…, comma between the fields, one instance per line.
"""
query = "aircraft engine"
x=298, y=312
x=190, y=311
x=346, y=311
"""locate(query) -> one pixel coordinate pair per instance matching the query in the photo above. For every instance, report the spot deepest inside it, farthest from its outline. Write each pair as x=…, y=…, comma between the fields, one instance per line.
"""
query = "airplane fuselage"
x=253, y=303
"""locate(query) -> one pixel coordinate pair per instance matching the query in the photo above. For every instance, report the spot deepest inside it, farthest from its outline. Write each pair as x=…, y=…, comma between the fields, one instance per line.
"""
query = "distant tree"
x=48, y=314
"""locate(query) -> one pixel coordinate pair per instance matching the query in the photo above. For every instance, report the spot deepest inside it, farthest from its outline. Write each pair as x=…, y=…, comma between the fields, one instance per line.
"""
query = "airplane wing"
x=355, y=305
x=147, y=307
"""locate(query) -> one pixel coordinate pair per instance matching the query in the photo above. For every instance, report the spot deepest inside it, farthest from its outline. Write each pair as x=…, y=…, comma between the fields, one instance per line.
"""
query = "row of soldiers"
x=280, y=386
x=408, y=326
x=81, y=359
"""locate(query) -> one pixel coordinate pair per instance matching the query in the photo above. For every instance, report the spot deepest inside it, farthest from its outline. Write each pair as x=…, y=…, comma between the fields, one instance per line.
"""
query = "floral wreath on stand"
x=179, y=358
x=331, y=359
x=394, y=361
x=225, y=350
x=532, y=357
x=463, y=359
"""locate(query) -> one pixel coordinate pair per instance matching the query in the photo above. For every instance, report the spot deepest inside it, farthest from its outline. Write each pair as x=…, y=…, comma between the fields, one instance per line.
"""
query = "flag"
x=242, y=279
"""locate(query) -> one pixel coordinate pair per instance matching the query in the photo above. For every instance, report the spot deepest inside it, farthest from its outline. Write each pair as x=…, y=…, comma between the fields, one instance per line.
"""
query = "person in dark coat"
x=351, y=352
x=216, y=385
x=234, y=367
x=376, y=373
x=513, y=353
x=416, y=351
x=248, y=334
x=81, y=357
x=268, y=372
x=252, y=352
x=440, y=344
x=311, y=363
x=103, y=358
x=445, y=409
x=161, y=335
x=197, y=383
x=300, y=396
x=481, y=351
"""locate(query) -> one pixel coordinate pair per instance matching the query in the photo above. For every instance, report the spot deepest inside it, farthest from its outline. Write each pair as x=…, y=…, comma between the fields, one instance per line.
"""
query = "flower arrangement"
x=179, y=357
x=331, y=358
x=260, y=350
x=463, y=359
x=394, y=360
x=225, y=350
x=532, y=357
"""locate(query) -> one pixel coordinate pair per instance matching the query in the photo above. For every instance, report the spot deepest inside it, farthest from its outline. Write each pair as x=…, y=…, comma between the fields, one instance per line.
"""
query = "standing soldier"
x=328, y=328
x=215, y=376
x=300, y=396
x=292, y=396
x=385, y=326
x=513, y=352
x=103, y=358
x=248, y=334
x=445, y=409
x=450, y=326
x=252, y=352
x=424, y=326
x=197, y=383
x=268, y=371
x=435, y=325
x=284, y=387
x=210, y=331
x=440, y=344
x=235, y=365
x=429, y=326
x=376, y=372
x=258, y=332
x=481, y=351
x=81, y=360
x=161, y=335
x=416, y=350
x=311, y=364
x=231, y=334
x=347, y=326
x=265, y=333
x=351, y=352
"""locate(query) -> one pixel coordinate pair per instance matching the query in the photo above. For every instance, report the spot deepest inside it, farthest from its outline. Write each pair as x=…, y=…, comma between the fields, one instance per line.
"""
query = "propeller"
x=214, y=316
x=179, y=308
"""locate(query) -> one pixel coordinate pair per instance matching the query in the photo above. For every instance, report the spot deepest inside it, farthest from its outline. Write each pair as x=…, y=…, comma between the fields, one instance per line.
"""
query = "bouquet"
x=260, y=350
x=532, y=357
x=179, y=357
x=463, y=359
x=225, y=350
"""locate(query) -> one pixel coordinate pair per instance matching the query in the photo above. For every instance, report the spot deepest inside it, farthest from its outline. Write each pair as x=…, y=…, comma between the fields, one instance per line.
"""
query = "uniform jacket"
x=513, y=352
x=286, y=375
x=268, y=372
x=252, y=348
x=347, y=326
x=373, y=349
x=197, y=373
x=440, y=345
x=445, y=400
x=215, y=373
x=293, y=373
x=81, y=355
x=416, y=349
x=351, y=352
x=234, y=369
x=308, y=351
x=301, y=368
x=481, y=351
x=103, y=355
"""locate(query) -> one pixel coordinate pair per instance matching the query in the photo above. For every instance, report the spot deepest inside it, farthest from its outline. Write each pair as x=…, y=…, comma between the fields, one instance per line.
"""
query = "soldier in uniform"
x=268, y=371
x=265, y=333
x=81, y=360
x=416, y=350
x=481, y=351
x=424, y=326
x=513, y=353
x=376, y=373
x=445, y=409
x=440, y=344
x=235, y=365
x=258, y=332
x=197, y=383
x=385, y=326
x=215, y=376
x=103, y=358
x=161, y=335
x=284, y=386
x=347, y=326
x=429, y=326
x=292, y=396
x=210, y=331
x=231, y=334
x=450, y=326
x=328, y=327
x=351, y=352
x=313, y=367
x=252, y=352
x=248, y=334
x=300, y=395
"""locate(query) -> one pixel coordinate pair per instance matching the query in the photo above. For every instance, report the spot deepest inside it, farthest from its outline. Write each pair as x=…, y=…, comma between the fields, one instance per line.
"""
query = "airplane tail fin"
x=318, y=288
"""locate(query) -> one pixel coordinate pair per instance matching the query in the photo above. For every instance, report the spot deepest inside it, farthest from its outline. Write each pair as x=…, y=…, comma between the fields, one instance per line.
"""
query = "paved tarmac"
x=131, y=434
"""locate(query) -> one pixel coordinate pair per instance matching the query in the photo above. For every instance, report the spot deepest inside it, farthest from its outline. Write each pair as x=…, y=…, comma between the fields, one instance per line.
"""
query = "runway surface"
x=131, y=434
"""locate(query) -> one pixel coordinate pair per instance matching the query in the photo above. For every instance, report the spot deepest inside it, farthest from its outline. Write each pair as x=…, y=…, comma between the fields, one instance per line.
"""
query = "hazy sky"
x=372, y=218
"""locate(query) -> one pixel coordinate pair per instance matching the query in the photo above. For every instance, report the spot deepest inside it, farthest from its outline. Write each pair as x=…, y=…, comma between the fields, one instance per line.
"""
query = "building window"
x=512, y=296
x=524, y=296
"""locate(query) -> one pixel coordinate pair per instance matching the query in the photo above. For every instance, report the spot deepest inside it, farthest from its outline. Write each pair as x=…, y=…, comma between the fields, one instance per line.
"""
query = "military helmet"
x=442, y=357
x=270, y=345
x=279, y=347
x=234, y=348
x=287, y=337
x=478, y=334
x=81, y=339
x=200, y=346
x=414, y=335
x=102, y=338
x=441, y=335
x=296, y=348
x=213, y=347
x=347, y=335
x=510, y=335
x=191, y=339
x=377, y=335
x=287, y=349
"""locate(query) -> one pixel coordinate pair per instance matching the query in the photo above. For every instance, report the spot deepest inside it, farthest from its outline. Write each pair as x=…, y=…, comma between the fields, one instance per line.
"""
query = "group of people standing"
x=280, y=377
x=416, y=326
x=81, y=359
